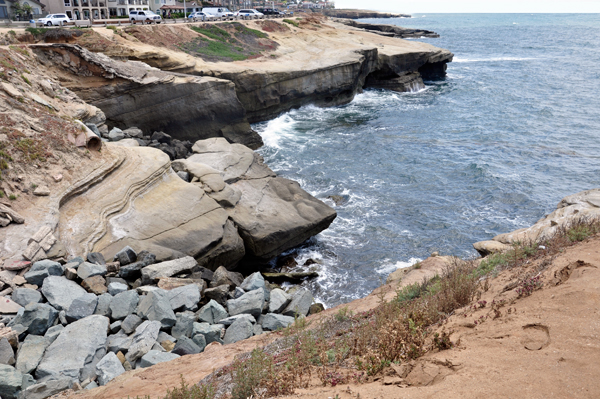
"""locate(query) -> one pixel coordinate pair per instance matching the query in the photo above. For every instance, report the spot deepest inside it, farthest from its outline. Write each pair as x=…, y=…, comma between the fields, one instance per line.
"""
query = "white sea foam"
x=389, y=266
x=276, y=128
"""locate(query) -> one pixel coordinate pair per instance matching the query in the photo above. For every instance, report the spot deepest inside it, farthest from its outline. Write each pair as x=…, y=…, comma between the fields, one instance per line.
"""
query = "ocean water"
x=513, y=128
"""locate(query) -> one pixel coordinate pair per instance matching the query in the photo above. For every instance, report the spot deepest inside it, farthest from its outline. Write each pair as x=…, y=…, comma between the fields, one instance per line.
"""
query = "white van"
x=218, y=12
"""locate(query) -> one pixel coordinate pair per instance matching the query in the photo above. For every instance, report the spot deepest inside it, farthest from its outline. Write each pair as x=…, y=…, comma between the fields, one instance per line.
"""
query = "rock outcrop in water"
x=389, y=30
x=356, y=14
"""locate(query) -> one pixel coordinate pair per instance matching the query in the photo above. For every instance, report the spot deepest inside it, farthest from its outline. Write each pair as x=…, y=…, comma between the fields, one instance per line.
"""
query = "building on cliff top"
x=21, y=9
x=96, y=9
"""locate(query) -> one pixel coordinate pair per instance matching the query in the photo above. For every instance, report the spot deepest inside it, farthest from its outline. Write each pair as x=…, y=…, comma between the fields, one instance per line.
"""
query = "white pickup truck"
x=144, y=16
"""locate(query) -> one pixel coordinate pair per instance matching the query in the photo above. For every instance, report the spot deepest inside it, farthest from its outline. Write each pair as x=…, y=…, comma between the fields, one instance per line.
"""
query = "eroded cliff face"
x=133, y=94
x=323, y=63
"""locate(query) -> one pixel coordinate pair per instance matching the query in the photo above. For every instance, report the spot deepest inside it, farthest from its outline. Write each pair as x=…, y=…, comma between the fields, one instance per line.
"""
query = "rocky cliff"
x=356, y=14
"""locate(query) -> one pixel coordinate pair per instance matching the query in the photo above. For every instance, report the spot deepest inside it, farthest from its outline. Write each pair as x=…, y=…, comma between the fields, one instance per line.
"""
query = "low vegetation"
x=291, y=22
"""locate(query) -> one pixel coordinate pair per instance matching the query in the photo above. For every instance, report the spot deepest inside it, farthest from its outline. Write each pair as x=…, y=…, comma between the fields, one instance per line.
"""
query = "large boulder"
x=210, y=332
x=36, y=318
x=300, y=303
x=212, y=312
x=251, y=302
x=10, y=382
x=25, y=296
x=108, y=368
x=61, y=292
x=47, y=389
x=240, y=329
x=75, y=348
x=279, y=300
x=273, y=322
x=186, y=346
x=184, y=298
x=253, y=282
x=7, y=354
x=184, y=325
x=154, y=357
x=123, y=304
x=169, y=268
x=143, y=340
x=156, y=306
x=274, y=214
x=30, y=353
x=81, y=307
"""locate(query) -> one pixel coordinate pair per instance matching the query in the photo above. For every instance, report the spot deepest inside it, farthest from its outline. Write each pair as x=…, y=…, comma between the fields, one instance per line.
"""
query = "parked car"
x=144, y=16
x=220, y=12
x=202, y=15
x=54, y=19
x=269, y=11
x=250, y=12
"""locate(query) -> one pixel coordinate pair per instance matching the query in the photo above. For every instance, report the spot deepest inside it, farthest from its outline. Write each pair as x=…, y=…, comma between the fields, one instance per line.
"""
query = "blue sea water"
x=513, y=128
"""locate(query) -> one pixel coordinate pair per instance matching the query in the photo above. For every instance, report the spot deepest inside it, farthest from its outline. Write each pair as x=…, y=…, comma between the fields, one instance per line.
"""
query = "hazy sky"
x=482, y=6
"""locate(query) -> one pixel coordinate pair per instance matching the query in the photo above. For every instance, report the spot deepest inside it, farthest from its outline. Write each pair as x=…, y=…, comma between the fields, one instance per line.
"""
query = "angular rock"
x=47, y=389
x=61, y=292
x=186, y=346
x=62, y=317
x=124, y=304
x=167, y=269
x=12, y=335
x=115, y=327
x=279, y=300
x=87, y=269
x=199, y=340
x=96, y=258
x=236, y=293
x=116, y=134
x=161, y=137
x=81, y=307
x=11, y=381
x=163, y=336
x=231, y=319
x=75, y=348
x=130, y=323
x=154, y=357
x=134, y=132
x=103, y=306
x=316, y=308
x=273, y=321
x=251, y=302
x=220, y=294
x=118, y=343
x=239, y=330
x=184, y=325
x=253, y=282
x=258, y=329
x=300, y=303
x=36, y=318
x=156, y=306
x=212, y=312
x=108, y=368
x=142, y=341
x=15, y=264
x=126, y=256
x=210, y=332
x=116, y=288
x=53, y=332
x=169, y=283
x=53, y=268
x=41, y=191
x=7, y=354
x=221, y=277
x=133, y=270
x=184, y=298
x=70, y=273
x=30, y=353
x=36, y=277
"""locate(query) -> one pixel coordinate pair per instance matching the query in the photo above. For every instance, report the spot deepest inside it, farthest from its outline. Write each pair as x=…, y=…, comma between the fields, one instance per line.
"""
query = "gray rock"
x=126, y=256
x=154, y=357
x=37, y=277
x=87, y=269
x=25, y=296
x=200, y=340
x=7, y=354
x=133, y=270
x=61, y=292
x=300, y=303
x=28, y=381
x=212, y=312
x=103, y=306
x=142, y=341
x=258, y=329
x=36, y=318
x=62, y=317
x=123, y=304
x=47, y=388
x=231, y=319
x=251, y=302
x=211, y=332
x=163, y=336
x=186, y=346
x=184, y=325
x=75, y=262
x=116, y=288
x=81, y=307
x=130, y=323
x=184, y=298
x=156, y=306
x=161, y=137
x=108, y=368
x=96, y=258
x=75, y=348
x=155, y=347
x=253, y=282
x=134, y=132
x=30, y=353
x=94, y=129
x=169, y=268
x=279, y=300
x=118, y=343
x=116, y=134
x=115, y=327
x=221, y=277
x=53, y=333
x=10, y=382
x=91, y=385
x=274, y=321
x=240, y=329
x=53, y=268
x=219, y=294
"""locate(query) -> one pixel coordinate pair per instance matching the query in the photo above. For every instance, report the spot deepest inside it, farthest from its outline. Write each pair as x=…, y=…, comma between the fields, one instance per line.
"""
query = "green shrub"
x=248, y=374
x=289, y=21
